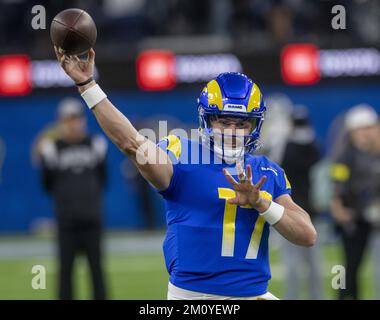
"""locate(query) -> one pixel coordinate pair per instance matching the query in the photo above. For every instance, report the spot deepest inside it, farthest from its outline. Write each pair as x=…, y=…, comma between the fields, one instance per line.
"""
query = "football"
x=74, y=31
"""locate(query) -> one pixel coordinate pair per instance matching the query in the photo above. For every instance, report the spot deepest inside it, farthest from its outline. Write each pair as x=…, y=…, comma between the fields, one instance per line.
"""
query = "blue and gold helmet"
x=235, y=95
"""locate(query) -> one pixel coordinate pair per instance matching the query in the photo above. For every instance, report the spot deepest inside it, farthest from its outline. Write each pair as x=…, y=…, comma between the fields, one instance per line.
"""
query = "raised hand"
x=77, y=69
x=247, y=193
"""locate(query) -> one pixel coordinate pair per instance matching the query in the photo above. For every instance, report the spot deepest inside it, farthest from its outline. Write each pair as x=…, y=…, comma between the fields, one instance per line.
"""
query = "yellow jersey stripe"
x=288, y=185
x=228, y=242
x=174, y=145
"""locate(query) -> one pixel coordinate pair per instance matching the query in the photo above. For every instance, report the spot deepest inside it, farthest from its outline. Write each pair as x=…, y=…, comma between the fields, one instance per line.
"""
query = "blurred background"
x=153, y=59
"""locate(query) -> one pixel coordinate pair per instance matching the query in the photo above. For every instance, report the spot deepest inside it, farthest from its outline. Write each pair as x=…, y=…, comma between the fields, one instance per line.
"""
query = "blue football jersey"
x=212, y=246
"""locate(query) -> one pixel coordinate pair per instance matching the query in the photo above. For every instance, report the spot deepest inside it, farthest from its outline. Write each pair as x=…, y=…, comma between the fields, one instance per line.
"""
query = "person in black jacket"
x=300, y=154
x=74, y=172
x=355, y=173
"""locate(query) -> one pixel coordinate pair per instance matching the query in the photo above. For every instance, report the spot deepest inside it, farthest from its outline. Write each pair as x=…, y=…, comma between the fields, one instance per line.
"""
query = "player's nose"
x=230, y=126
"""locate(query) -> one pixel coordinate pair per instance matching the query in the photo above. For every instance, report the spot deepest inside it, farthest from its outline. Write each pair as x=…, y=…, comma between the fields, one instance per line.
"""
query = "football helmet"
x=232, y=95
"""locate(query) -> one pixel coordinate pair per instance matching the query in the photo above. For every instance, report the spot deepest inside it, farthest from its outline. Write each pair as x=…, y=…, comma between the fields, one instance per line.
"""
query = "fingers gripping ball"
x=74, y=31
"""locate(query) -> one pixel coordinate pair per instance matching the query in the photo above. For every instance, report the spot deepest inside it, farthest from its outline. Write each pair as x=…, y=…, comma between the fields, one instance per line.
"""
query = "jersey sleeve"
x=173, y=147
x=277, y=178
x=281, y=184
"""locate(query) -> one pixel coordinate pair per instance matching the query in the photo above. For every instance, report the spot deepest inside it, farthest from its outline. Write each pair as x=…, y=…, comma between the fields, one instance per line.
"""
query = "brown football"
x=74, y=31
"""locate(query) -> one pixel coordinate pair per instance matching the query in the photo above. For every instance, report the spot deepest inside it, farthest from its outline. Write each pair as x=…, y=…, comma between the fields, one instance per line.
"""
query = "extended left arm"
x=292, y=222
x=295, y=224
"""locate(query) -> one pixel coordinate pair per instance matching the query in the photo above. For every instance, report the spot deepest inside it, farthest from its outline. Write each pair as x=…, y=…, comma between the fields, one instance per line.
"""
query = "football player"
x=218, y=218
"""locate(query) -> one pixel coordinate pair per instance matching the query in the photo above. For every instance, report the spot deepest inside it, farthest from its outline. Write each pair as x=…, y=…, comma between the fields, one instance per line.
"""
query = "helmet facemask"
x=230, y=144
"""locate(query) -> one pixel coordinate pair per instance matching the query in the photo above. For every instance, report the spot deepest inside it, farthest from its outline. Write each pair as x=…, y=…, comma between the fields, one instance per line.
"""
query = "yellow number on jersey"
x=228, y=240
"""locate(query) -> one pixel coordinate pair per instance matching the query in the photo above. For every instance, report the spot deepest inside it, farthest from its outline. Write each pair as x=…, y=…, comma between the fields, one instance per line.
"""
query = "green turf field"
x=143, y=276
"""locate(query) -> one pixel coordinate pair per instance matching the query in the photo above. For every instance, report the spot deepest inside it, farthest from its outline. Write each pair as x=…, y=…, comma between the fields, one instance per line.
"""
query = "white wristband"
x=274, y=213
x=93, y=95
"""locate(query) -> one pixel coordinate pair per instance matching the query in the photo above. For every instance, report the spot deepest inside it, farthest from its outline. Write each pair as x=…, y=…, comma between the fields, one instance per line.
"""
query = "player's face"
x=365, y=138
x=233, y=129
x=232, y=125
x=73, y=128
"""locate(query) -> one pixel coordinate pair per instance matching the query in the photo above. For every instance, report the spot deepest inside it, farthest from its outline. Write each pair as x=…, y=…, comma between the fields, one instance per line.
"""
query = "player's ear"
x=56, y=52
x=91, y=55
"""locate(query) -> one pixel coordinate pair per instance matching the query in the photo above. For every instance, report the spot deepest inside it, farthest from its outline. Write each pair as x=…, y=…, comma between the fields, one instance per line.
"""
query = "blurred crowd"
x=342, y=185
x=268, y=23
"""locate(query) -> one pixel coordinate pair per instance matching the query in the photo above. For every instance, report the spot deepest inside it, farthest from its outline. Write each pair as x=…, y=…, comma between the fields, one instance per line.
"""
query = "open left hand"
x=247, y=193
x=77, y=69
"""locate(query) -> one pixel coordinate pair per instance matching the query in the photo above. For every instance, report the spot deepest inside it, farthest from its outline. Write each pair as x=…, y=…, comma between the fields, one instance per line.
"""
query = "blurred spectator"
x=121, y=20
x=278, y=126
x=127, y=22
x=13, y=21
x=50, y=133
x=300, y=155
x=290, y=141
x=74, y=172
x=366, y=20
x=355, y=206
x=220, y=16
x=280, y=23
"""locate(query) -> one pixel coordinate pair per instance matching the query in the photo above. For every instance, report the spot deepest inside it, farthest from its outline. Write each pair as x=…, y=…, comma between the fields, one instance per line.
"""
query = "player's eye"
x=243, y=124
x=225, y=122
